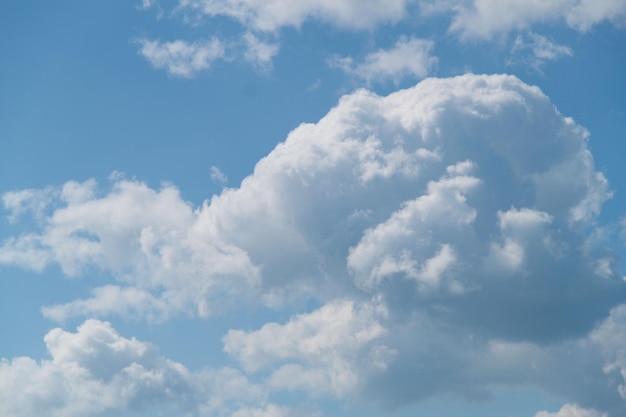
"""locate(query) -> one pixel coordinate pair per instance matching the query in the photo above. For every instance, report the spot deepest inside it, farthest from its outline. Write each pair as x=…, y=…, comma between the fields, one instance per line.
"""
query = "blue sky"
x=312, y=208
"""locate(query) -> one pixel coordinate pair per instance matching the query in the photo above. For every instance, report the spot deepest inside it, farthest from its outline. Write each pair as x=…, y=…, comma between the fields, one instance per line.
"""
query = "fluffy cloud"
x=470, y=18
x=571, y=410
x=408, y=57
x=323, y=352
x=474, y=173
x=95, y=371
x=274, y=14
x=181, y=58
x=442, y=230
x=147, y=238
x=485, y=18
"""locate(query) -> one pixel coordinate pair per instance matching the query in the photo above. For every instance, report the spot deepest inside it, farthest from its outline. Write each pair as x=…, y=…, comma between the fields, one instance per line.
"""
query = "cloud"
x=272, y=15
x=187, y=59
x=409, y=57
x=379, y=254
x=586, y=13
x=611, y=336
x=180, y=58
x=414, y=185
x=258, y=52
x=112, y=299
x=535, y=50
x=322, y=352
x=482, y=19
x=147, y=238
x=442, y=231
x=24, y=201
x=470, y=20
x=95, y=371
x=260, y=19
x=217, y=176
x=571, y=410
x=273, y=410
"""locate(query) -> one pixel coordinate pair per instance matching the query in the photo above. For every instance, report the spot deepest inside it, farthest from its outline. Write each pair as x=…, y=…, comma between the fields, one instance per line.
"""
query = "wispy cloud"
x=258, y=52
x=180, y=58
x=535, y=50
x=272, y=15
x=572, y=410
x=187, y=59
x=408, y=57
x=483, y=19
x=217, y=176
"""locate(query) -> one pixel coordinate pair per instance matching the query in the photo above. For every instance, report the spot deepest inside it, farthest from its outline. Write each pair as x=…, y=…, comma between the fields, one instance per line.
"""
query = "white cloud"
x=217, y=176
x=586, y=13
x=398, y=246
x=146, y=4
x=180, y=58
x=112, y=299
x=485, y=18
x=535, y=50
x=271, y=15
x=149, y=239
x=96, y=371
x=471, y=20
x=258, y=52
x=611, y=336
x=405, y=186
x=273, y=410
x=187, y=59
x=571, y=410
x=409, y=57
x=323, y=352
x=459, y=207
x=31, y=201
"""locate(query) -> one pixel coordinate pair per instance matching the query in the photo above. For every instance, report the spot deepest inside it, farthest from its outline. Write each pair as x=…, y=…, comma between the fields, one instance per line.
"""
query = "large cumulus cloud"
x=442, y=227
x=458, y=189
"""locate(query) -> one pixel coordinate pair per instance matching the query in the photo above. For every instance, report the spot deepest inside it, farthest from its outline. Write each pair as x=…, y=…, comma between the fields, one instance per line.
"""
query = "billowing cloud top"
x=466, y=190
x=453, y=213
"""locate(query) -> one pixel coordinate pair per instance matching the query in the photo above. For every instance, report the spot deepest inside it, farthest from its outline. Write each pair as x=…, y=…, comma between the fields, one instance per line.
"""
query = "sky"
x=311, y=208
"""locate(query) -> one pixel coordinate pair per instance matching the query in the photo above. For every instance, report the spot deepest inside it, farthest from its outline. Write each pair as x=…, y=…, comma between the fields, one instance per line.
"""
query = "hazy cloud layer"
x=442, y=231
